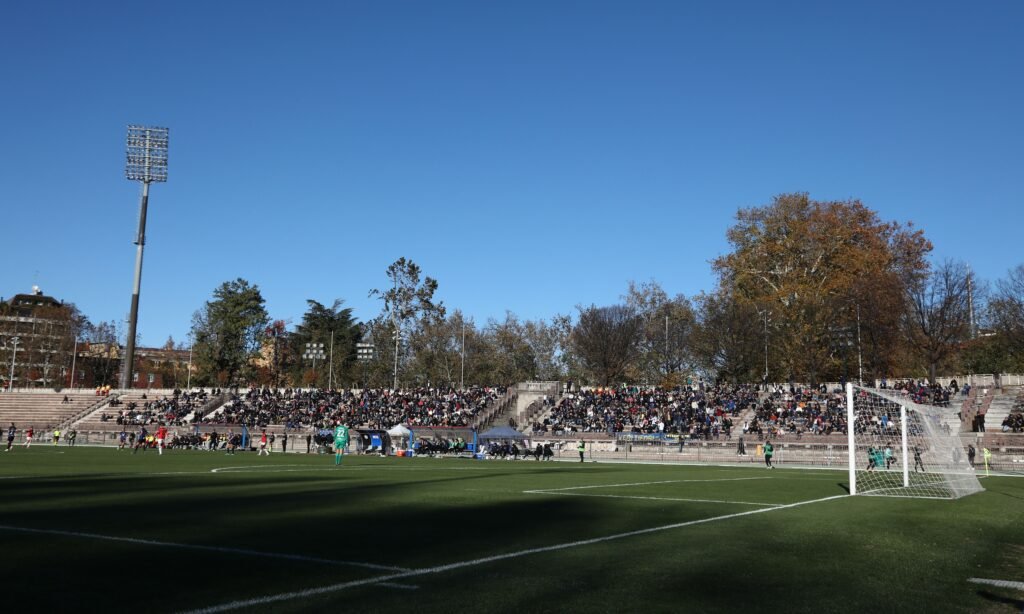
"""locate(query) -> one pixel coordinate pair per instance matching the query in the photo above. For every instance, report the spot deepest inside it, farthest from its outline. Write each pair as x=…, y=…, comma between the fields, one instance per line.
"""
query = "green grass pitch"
x=89, y=529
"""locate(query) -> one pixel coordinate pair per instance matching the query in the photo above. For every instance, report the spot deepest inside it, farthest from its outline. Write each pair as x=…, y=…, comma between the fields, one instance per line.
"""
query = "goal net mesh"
x=922, y=458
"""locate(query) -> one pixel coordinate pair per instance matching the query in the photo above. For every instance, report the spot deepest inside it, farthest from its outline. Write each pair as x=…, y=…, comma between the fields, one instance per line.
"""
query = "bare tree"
x=728, y=339
x=938, y=316
x=1007, y=308
x=606, y=340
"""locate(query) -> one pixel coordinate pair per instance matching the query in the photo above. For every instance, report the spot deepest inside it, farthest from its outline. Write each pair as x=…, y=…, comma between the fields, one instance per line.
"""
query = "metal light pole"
x=394, y=386
x=74, y=355
x=146, y=162
x=860, y=356
x=666, y=346
x=188, y=377
x=330, y=372
x=10, y=381
x=314, y=351
x=462, y=372
x=765, y=314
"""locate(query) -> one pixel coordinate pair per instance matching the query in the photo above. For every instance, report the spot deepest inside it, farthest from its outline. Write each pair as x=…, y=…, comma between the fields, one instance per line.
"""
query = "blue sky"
x=531, y=156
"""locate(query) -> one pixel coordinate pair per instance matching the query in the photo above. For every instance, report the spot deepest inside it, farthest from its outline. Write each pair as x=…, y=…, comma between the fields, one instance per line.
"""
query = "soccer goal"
x=898, y=448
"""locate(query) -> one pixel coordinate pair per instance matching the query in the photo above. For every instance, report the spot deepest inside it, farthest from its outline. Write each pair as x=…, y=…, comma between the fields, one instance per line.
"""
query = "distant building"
x=37, y=337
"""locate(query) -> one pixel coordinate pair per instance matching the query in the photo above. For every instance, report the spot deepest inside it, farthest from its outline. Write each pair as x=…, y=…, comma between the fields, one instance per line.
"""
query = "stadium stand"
x=693, y=411
x=45, y=410
x=378, y=409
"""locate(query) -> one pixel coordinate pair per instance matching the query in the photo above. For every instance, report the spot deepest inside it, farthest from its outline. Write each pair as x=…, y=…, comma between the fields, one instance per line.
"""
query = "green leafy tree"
x=408, y=306
x=319, y=324
x=228, y=333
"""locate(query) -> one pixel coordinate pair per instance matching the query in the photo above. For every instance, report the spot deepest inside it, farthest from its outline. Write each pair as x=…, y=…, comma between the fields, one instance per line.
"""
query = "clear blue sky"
x=529, y=155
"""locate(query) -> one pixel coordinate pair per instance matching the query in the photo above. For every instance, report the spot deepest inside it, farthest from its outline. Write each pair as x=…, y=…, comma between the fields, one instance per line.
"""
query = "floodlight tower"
x=146, y=162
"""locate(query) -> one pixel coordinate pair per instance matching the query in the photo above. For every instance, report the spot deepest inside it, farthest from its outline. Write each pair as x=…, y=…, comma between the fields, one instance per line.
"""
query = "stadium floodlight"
x=313, y=352
x=146, y=162
x=887, y=434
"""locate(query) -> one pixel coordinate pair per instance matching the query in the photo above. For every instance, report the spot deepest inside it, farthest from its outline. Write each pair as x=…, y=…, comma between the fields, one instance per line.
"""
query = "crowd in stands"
x=798, y=410
x=706, y=411
x=1014, y=422
x=176, y=410
x=698, y=411
x=371, y=408
x=924, y=393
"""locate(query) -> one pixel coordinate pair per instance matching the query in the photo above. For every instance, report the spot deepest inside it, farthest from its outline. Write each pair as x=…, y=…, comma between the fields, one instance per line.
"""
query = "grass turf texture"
x=844, y=554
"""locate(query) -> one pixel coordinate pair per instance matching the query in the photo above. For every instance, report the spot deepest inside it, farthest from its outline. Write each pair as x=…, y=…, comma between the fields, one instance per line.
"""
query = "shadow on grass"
x=989, y=596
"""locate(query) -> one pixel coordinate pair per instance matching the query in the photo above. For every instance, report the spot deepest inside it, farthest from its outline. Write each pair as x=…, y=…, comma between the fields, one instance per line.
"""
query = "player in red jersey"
x=263, y=444
x=28, y=436
x=161, y=434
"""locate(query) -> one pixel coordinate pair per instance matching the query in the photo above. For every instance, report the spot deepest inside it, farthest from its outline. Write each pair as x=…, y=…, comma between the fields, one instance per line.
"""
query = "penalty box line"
x=562, y=492
x=388, y=578
x=221, y=549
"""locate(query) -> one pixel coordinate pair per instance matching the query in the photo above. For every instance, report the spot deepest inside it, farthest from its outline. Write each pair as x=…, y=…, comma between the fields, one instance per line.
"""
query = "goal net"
x=899, y=448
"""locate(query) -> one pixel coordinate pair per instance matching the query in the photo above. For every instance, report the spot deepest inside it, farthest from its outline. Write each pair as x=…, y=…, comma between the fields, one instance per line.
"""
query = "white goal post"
x=899, y=448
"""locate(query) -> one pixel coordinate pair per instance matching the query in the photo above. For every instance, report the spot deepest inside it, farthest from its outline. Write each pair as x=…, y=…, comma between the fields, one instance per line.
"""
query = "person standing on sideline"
x=10, y=437
x=284, y=442
x=263, y=445
x=917, y=460
x=581, y=448
x=971, y=452
x=161, y=434
x=28, y=436
x=309, y=442
x=340, y=442
x=769, y=450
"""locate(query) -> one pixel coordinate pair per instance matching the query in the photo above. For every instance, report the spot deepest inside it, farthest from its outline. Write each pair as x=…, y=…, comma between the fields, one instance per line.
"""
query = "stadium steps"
x=42, y=410
x=1002, y=405
x=498, y=413
x=977, y=403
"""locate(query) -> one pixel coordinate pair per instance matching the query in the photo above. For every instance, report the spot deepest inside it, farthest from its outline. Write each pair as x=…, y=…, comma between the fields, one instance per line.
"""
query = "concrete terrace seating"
x=1001, y=406
x=42, y=409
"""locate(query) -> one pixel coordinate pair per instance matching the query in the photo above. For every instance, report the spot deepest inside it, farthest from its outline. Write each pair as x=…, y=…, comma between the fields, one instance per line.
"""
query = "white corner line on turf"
x=1000, y=583
x=224, y=549
x=332, y=588
x=580, y=494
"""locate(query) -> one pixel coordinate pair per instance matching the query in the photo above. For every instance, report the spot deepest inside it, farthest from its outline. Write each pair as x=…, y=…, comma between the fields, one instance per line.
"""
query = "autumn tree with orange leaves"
x=819, y=268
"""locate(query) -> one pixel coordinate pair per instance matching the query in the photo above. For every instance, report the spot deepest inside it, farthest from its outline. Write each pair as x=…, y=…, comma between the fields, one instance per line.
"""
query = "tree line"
x=810, y=291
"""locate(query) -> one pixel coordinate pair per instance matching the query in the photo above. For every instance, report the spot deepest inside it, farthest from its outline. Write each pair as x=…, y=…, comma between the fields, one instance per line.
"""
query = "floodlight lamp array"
x=146, y=154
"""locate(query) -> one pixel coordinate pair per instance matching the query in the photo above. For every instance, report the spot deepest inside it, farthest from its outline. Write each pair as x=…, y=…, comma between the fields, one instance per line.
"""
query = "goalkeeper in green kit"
x=340, y=442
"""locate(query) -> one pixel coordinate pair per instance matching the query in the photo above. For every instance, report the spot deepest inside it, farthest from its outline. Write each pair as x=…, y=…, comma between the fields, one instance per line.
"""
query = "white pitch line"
x=224, y=549
x=331, y=588
x=405, y=587
x=580, y=494
x=1000, y=583
x=644, y=484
